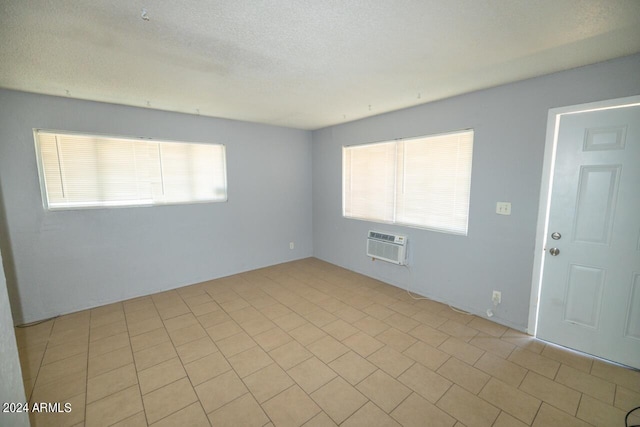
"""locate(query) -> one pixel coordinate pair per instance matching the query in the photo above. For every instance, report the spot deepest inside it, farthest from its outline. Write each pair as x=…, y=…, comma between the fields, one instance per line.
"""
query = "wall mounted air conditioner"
x=387, y=247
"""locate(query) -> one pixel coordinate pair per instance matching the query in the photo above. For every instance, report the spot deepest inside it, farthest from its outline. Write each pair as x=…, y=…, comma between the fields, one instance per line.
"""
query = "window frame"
x=397, y=178
x=121, y=204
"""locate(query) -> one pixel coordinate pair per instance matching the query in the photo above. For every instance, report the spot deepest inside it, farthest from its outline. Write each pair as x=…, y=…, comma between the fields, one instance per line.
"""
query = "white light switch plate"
x=503, y=208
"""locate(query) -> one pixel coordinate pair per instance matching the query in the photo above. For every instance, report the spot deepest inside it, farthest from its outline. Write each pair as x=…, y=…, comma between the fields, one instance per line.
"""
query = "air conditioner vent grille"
x=387, y=247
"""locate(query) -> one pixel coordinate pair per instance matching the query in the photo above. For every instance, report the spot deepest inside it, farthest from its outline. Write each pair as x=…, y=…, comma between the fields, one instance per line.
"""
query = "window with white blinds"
x=420, y=182
x=78, y=171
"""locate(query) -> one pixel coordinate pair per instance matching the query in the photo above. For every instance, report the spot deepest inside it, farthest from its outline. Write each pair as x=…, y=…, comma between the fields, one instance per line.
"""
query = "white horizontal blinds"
x=50, y=167
x=193, y=172
x=149, y=174
x=434, y=181
x=106, y=172
x=422, y=182
x=91, y=171
x=369, y=181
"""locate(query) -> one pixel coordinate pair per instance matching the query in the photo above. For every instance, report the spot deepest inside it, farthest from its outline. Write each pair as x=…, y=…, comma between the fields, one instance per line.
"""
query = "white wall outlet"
x=503, y=208
x=291, y=245
x=496, y=297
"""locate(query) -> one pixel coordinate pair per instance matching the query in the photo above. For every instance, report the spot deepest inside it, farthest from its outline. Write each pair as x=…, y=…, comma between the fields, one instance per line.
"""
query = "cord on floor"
x=626, y=419
x=420, y=297
x=37, y=322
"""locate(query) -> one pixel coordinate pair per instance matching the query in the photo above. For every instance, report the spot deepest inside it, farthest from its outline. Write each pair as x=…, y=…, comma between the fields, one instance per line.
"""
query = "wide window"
x=420, y=182
x=78, y=171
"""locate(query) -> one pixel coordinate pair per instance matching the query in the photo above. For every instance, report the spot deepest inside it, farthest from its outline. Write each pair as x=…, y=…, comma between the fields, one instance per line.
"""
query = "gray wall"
x=65, y=261
x=11, y=386
x=510, y=126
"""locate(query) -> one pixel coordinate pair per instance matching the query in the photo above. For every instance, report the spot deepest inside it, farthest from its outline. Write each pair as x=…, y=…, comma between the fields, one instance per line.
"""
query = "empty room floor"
x=308, y=343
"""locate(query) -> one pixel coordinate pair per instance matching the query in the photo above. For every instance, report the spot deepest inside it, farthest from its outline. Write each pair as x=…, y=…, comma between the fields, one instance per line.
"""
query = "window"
x=78, y=171
x=420, y=182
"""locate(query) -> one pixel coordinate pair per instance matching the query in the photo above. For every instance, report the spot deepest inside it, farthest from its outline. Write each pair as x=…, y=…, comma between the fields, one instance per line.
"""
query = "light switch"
x=503, y=208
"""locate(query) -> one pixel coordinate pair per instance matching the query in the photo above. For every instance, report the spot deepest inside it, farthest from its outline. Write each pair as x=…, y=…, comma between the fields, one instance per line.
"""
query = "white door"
x=590, y=289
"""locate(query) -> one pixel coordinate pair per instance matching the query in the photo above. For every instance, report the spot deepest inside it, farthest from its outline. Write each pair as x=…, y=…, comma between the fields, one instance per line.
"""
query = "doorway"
x=586, y=283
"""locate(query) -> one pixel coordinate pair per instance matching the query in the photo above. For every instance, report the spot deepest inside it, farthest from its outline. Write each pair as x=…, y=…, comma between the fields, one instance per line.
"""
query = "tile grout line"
x=35, y=383
x=232, y=368
x=86, y=387
x=182, y=364
x=300, y=300
x=184, y=368
x=41, y=360
x=134, y=358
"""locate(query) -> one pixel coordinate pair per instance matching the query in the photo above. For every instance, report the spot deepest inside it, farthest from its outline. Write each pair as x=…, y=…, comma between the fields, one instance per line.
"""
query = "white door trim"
x=545, y=192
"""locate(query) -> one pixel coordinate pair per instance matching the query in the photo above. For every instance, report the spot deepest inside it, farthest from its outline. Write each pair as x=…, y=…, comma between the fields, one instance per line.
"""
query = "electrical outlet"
x=496, y=297
x=503, y=208
x=291, y=245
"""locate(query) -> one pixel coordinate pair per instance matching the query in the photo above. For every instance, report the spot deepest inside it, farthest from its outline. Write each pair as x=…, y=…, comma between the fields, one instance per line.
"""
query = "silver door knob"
x=554, y=251
x=556, y=236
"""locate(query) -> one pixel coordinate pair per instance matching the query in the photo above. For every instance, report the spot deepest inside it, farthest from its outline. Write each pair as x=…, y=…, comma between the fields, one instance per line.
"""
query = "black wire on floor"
x=37, y=322
x=626, y=419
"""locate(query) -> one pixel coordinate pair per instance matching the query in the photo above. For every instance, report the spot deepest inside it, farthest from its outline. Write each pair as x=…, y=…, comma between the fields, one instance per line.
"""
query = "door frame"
x=551, y=141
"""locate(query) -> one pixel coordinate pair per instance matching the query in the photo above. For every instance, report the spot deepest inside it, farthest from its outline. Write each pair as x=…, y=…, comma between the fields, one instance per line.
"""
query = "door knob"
x=554, y=251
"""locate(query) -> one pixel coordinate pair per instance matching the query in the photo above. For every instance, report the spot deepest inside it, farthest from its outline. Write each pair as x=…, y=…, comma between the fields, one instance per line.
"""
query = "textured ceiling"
x=303, y=64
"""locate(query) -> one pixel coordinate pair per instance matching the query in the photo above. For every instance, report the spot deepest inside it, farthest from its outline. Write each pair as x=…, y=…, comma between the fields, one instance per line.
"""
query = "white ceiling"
x=304, y=64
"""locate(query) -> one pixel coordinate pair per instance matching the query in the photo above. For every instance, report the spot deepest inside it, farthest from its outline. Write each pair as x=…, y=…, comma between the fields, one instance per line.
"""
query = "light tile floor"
x=308, y=343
